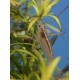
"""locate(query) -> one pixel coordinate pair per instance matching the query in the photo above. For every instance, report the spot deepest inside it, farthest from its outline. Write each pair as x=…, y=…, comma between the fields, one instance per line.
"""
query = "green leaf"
x=22, y=1
x=34, y=4
x=14, y=3
x=12, y=51
x=50, y=69
x=24, y=59
x=16, y=63
x=25, y=77
x=57, y=20
x=46, y=3
x=42, y=62
x=52, y=66
x=19, y=76
x=25, y=51
x=19, y=43
x=37, y=76
x=53, y=28
x=36, y=9
x=32, y=22
x=47, y=10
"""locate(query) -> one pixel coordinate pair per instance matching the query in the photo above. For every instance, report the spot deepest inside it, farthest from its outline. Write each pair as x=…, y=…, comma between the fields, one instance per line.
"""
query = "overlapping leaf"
x=53, y=28
x=14, y=2
x=57, y=20
x=49, y=7
x=32, y=22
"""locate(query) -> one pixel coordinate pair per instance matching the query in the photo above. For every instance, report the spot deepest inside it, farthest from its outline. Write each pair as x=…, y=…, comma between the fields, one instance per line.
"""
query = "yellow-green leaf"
x=57, y=20
x=47, y=10
x=46, y=3
x=14, y=3
x=50, y=69
x=37, y=76
x=34, y=4
x=19, y=50
x=36, y=9
x=32, y=22
x=53, y=28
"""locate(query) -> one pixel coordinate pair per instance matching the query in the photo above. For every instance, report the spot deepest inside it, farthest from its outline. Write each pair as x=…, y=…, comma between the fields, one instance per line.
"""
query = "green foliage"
x=41, y=11
x=26, y=57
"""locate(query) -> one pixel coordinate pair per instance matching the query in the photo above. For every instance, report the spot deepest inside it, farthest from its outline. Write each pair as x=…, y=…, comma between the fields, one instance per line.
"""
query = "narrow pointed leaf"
x=57, y=20
x=32, y=22
x=36, y=9
x=51, y=69
x=46, y=3
x=47, y=10
x=34, y=2
x=35, y=5
x=53, y=28
x=25, y=51
x=37, y=76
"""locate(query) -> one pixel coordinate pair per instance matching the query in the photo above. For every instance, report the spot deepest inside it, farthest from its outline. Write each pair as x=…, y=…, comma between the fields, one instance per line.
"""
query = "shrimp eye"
x=39, y=26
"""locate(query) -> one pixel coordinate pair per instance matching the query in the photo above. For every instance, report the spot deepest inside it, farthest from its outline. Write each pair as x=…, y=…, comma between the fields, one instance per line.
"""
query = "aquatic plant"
x=27, y=45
